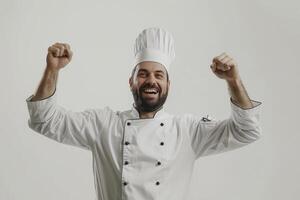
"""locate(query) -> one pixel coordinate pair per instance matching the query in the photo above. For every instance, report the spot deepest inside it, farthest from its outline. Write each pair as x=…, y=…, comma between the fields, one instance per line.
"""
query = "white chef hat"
x=154, y=44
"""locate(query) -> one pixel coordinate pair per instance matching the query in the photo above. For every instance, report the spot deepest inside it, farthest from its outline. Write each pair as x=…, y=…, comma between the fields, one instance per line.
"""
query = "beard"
x=144, y=105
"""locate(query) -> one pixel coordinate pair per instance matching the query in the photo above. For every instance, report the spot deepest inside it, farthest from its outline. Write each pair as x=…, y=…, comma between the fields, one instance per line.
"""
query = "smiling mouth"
x=150, y=92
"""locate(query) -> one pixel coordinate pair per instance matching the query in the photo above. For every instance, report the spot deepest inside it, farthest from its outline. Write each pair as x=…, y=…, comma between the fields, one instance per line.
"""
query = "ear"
x=130, y=82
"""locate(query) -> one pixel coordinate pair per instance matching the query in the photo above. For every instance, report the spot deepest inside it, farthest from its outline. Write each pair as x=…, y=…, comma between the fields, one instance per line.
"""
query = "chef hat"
x=154, y=44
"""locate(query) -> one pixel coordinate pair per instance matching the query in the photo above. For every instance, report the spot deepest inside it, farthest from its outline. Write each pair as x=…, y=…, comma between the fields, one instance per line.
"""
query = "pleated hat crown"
x=154, y=44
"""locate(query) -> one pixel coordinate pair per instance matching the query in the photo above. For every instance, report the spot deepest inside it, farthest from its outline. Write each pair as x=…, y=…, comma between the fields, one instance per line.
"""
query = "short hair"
x=134, y=69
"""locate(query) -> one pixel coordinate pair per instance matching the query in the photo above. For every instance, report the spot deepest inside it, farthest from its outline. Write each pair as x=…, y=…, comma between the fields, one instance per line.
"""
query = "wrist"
x=234, y=82
x=50, y=69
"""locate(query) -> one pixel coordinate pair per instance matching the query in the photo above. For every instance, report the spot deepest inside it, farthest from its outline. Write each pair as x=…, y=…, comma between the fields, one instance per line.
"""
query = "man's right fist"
x=59, y=55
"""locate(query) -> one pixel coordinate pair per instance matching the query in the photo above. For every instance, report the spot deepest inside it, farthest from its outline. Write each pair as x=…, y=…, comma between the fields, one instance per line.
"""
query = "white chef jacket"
x=143, y=159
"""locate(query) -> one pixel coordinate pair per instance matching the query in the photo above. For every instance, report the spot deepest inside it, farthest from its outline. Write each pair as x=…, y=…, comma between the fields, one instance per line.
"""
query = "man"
x=144, y=153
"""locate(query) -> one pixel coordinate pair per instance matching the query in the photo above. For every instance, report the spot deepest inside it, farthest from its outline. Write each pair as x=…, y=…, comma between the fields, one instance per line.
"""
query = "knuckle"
x=215, y=59
x=64, y=46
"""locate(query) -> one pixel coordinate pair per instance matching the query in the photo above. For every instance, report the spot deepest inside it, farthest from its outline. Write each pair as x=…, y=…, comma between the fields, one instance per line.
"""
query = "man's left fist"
x=225, y=67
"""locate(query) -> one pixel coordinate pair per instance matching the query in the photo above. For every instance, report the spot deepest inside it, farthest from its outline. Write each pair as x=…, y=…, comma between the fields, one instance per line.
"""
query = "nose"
x=151, y=79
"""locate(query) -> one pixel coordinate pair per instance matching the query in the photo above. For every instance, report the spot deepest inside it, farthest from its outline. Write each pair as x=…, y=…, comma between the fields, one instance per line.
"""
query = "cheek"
x=136, y=87
x=138, y=82
x=164, y=87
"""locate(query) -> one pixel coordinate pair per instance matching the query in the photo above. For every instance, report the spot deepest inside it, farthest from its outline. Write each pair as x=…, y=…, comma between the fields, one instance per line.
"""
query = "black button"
x=162, y=143
x=125, y=183
x=128, y=123
x=161, y=124
x=158, y=163
x=157, y=183
x=127, y=143
x=126, y=162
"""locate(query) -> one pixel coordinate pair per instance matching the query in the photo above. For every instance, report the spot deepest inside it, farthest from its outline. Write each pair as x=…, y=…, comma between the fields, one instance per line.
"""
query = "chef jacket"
x=143, y=159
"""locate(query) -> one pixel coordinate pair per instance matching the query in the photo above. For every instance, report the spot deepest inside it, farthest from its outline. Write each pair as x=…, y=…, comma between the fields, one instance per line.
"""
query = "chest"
x=145, y=142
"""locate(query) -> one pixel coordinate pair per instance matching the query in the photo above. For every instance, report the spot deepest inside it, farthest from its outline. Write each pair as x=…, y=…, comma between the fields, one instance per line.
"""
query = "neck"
x=145, y=115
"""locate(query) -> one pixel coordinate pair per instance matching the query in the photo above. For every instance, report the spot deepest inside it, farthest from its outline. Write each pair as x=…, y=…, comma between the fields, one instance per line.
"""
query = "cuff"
x=39, y=110
x=52, y=96
x=246, y=111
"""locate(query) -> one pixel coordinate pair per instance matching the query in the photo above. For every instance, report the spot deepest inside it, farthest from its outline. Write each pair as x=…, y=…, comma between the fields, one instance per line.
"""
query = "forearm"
x=239, y=94
x=47, y=85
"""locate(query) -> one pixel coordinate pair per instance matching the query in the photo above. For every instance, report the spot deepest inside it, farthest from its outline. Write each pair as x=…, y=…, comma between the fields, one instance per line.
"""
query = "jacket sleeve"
x=68, y=127
x=210, y=136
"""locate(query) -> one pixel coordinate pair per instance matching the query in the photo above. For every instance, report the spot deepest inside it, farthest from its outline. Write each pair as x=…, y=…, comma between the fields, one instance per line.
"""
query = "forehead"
x=151, y=66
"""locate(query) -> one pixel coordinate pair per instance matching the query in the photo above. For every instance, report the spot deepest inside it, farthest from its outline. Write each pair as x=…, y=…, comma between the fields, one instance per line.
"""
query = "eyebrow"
x=158, y=71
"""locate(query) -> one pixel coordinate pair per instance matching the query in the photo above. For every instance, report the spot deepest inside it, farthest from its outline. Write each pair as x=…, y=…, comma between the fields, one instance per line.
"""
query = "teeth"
x=150, y=90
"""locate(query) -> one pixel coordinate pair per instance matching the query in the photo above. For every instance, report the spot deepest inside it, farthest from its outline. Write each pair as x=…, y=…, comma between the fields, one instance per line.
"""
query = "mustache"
x=149, y=86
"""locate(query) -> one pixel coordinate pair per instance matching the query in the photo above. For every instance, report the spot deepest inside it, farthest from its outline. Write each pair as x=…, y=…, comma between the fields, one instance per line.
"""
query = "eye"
x=160, y=76
x=142, y=74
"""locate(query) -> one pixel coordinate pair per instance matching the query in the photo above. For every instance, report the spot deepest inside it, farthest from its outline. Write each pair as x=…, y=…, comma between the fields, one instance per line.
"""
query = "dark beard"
x=143, y=106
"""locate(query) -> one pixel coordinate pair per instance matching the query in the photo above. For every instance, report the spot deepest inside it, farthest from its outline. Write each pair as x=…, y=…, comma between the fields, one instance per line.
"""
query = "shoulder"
x=103, y=113
x=189, y=118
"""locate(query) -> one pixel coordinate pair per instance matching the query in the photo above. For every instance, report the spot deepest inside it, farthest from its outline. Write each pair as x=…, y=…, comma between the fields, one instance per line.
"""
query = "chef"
x=144, y=153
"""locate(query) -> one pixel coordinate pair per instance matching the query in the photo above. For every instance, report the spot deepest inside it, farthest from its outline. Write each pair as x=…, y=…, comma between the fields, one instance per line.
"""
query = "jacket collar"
x=135, y=113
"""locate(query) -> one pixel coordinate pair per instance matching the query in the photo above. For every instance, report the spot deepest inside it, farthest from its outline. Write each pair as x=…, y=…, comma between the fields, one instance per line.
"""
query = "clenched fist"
x=59, y=55
x=225, y=67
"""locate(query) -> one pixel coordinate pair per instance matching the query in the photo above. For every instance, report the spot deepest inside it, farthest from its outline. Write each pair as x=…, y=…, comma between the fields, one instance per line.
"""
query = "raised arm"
x=52, y=120
x=210, y=136
x=226, y=68
x=59, y=55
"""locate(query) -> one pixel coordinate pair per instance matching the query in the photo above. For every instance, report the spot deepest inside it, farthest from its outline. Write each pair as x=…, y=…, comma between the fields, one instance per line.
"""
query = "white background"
x=262, y=35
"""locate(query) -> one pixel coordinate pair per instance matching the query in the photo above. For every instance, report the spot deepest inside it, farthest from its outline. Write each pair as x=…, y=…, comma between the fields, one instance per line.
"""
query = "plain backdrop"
x=263, y=36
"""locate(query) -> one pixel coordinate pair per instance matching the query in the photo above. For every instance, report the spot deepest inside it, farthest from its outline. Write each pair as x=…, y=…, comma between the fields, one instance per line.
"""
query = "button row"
x=126, y=183
x=126, y=163
x=127, y=143
x=128, y=124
